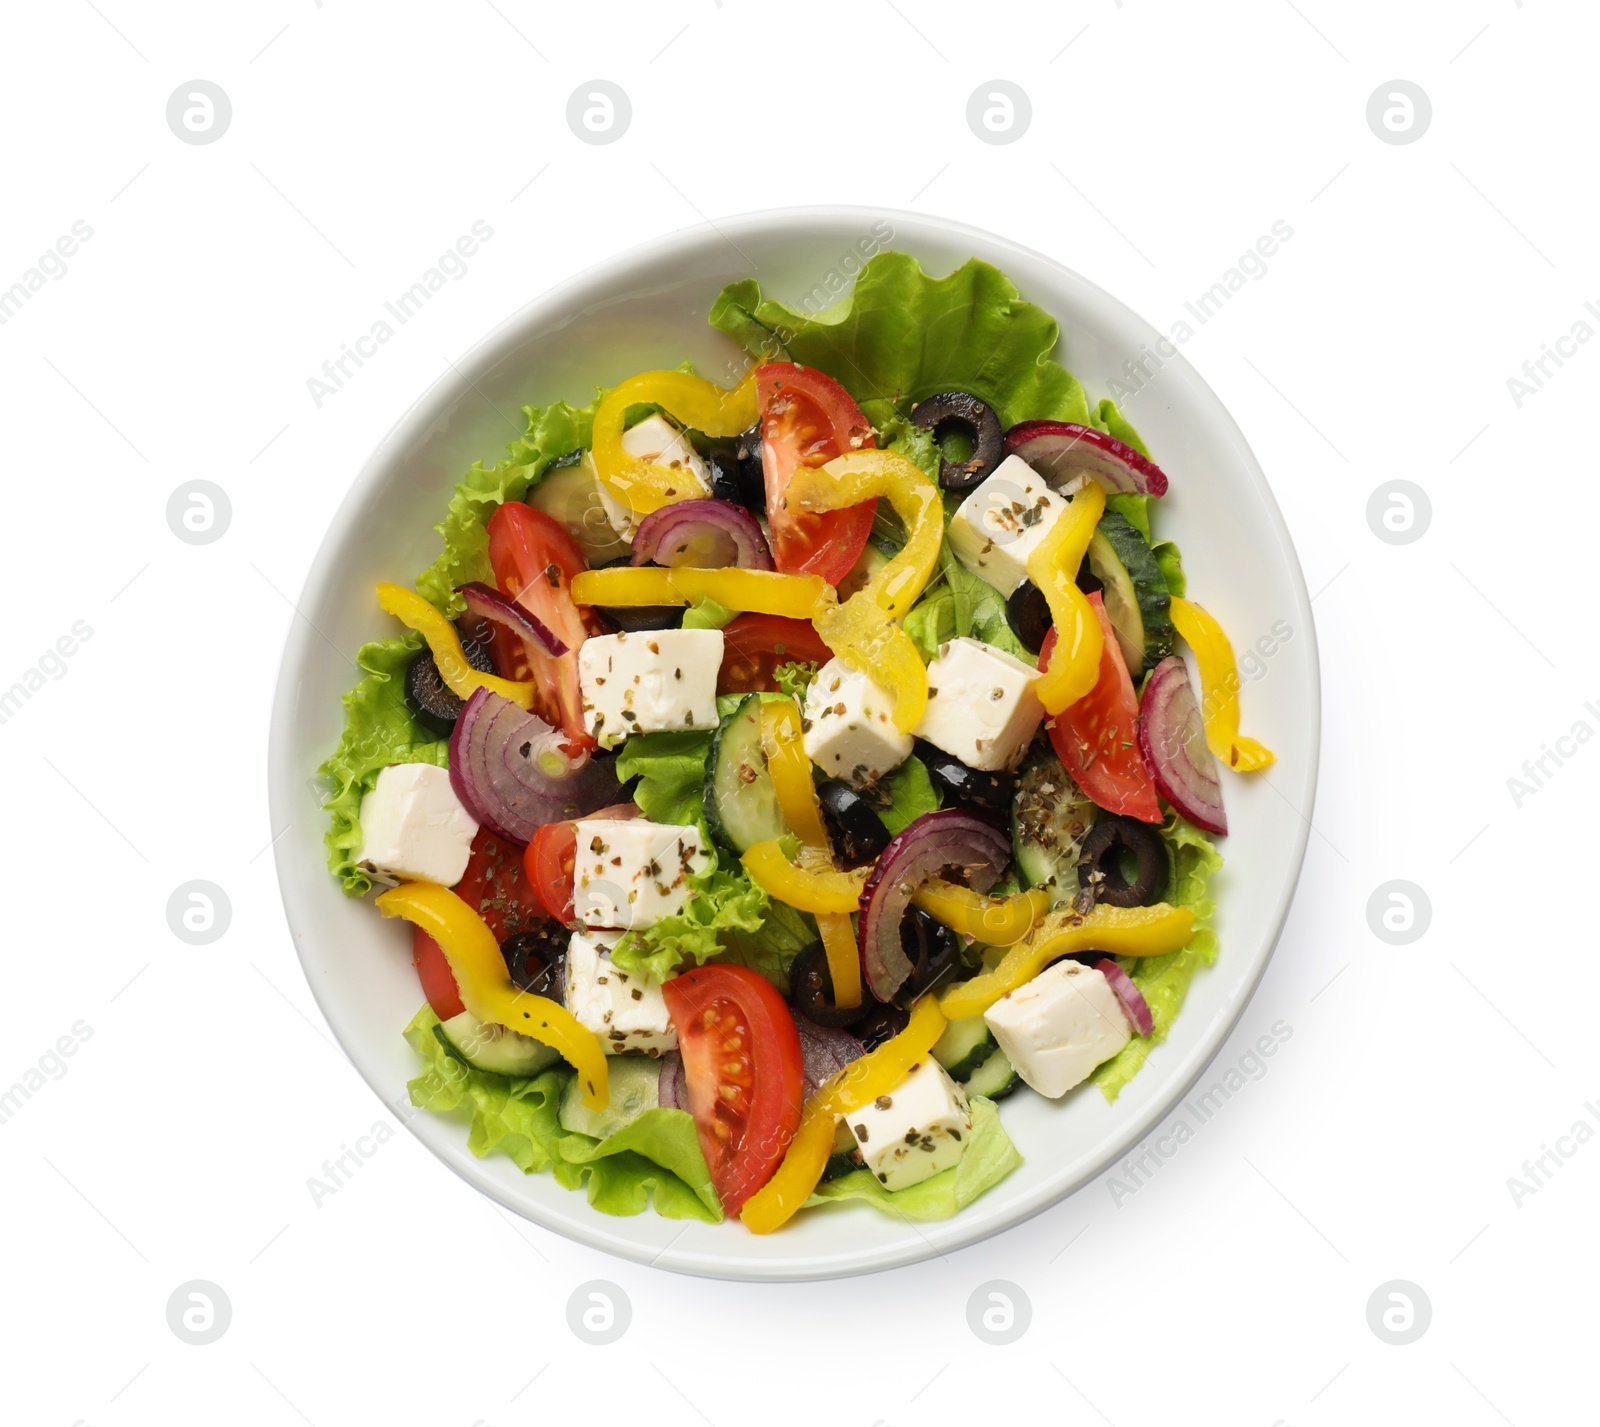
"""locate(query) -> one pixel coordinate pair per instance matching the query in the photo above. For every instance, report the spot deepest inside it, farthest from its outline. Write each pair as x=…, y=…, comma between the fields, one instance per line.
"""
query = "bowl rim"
x=587, y=1225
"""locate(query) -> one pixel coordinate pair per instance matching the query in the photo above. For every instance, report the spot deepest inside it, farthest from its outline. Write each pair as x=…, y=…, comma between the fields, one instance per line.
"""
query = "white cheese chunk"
x=634, y=873
x=626, y=1011
x=849, y=726
x=1059, y=1026
x=921, y=1126
x=982, y=707
x=413, y=827
x=657, y=439
x=1002, y=522
x=649, y=682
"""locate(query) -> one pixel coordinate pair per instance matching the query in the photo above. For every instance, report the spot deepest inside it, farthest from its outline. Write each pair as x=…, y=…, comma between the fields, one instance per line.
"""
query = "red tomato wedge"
x=433, y=971
x=806, y=420
x=1097, y=738
x=744, y=1073
x=754, y=645
x=534, y=562
x=552, y=857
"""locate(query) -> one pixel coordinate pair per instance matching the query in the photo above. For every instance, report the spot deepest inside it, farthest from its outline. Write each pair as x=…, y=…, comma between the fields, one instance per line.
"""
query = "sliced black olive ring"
x=811, y=991
x=958, y=413
x=1111, y=845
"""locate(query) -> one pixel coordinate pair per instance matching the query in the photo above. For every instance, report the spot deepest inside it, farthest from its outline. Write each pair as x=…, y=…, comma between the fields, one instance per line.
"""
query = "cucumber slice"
x=635, y=1088
x=570, y=494
x=994, y=1079
x=964, y=1046
x=741, y=805
x=483, y=1046
x=843, y=1159
x=872, y=560
x=1138, y=603
x=1050, y=817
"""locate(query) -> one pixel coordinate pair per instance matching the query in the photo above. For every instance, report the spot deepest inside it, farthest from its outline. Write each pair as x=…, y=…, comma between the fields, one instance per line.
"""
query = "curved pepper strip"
x=814, y=885
x=1118, y=931
x=860, y=1083
x=790, y=770
x=748, y=591
x=1053, y=567
x=994, y=921
x=715, y=411
x=862, y=631
x=1219, y=689
x=486, y=987
x=445, y=644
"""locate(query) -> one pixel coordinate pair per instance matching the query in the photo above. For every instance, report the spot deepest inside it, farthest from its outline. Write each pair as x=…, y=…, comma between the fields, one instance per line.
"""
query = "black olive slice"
x=959, y=414
x=1114, y=841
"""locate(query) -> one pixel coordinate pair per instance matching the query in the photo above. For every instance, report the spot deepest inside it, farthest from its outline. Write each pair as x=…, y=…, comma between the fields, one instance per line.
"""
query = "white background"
x=1165, y=139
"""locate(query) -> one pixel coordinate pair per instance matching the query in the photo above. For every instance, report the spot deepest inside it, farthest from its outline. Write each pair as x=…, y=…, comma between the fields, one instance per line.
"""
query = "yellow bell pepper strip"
x=445, y=644
x=486, y=986
x=748, y=591
x=1219, y=689
x=1053, y=567
x=1118, y=931
x=789, y=767
x=994, y=921
x=812, y=885
x=862, y=631
x=861, y=1082
x=642, y=485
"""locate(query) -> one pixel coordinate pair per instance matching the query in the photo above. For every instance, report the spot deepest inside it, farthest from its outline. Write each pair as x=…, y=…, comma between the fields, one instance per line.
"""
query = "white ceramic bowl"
x=648, y=309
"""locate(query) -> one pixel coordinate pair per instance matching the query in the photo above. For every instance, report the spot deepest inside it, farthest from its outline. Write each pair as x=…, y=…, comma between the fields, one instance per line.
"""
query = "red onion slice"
x=825, y=1050
x=1055, y=449
x=706, y=534
x=1132, y=999
x=490, y=604
x=935, y=842
x=512, y=773
x=1172, y=737
x=674, y=1082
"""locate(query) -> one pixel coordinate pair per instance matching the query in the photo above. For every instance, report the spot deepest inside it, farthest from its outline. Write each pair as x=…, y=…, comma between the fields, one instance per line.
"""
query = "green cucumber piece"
x=741, y=805
x=994, y=1079
x=635, y=1087
x=1138, y=602
x=1050, y=817
x=964, y=1046
x=843, y=1160
x=483, y=1046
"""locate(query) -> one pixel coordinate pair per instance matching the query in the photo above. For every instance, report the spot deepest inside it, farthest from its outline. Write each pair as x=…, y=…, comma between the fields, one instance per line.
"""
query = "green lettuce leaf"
x=705, y=613
x=901, y=335
x=1170, y=563
x=910, y=793
x=552, y=432
x=378, y=730
x=1164, y=980
x=671, y=769
x=990, y=1157
x=655, y=1158
x=960, y=604
x=795, y=679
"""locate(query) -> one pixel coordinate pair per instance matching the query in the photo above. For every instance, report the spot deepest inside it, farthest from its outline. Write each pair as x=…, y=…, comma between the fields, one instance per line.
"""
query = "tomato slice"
x=438, y=980
x=552, y=857
x=1097, y=738
x=534, y=562
x=806, y=420
x=754, y=645
x=744, y=1073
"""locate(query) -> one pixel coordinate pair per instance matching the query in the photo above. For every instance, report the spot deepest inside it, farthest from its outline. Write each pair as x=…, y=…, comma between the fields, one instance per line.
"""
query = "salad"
x=776, y=777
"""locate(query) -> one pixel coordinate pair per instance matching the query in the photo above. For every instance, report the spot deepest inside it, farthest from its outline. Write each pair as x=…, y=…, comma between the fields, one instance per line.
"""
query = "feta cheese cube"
x=626, y=1011
x=849, y=726
x=918, y=1128
x=657, y=439
x=634, y=873
x=413, y=827
x=982, y=707
x=1002, y=522
x=649, y=682
x=1059, y=1026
